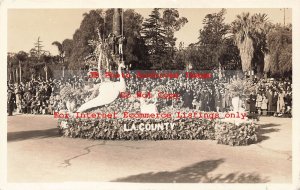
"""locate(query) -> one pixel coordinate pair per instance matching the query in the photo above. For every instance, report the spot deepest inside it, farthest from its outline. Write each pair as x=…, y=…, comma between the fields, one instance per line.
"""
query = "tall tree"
x=180, y=58
x=135, y=49
x=67, y=46
x=172, y=22
x=154, y=35
x=212, y=38
x=279, y=57
x=22, y=57
x=250, y=37
x=261, y=27
x=87, y=31
x=12, y=63
x=100, y=20
x=242, y=31
x=60, y=50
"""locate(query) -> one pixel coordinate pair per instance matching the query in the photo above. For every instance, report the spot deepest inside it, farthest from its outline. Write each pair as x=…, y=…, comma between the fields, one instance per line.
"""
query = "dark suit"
x=205, y=101
x=11, y=99
x=252, y=102
x=270, y=100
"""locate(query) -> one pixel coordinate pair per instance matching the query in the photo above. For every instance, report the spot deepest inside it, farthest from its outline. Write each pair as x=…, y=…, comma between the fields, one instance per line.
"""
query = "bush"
x=236, y=135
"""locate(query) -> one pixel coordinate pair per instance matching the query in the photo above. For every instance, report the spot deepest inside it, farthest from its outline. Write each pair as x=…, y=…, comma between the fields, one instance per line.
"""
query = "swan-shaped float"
x=108, y=92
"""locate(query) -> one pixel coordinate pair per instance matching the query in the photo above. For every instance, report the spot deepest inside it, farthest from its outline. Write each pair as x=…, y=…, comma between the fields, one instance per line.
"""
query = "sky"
x=24, y=26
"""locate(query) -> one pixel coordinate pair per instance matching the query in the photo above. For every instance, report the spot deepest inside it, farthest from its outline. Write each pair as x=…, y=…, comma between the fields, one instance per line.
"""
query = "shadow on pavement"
x=195, y=173
x=265, y=129
x=35, y=134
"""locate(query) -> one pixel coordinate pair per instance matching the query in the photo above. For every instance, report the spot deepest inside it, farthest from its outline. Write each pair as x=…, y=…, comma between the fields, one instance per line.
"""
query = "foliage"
x=212, y=37
x=279, y=59
x=68, y=92
x=61, y=50
x=215, y=45
x=134, y=50
x=250, y=42
x=112, y=129
x=158, y=32
x=241, y=88
x=87, y=31
x=230, y=58
x=236, y=135
x=30, y=64
x=154, y=37
x=180, y=58
x=67, y=46
x=172, y=22
x=241, y=30
x=250, y=36
x=22, y=56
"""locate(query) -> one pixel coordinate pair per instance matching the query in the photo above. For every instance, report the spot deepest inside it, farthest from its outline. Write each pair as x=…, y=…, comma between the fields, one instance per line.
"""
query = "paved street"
x=37, y=154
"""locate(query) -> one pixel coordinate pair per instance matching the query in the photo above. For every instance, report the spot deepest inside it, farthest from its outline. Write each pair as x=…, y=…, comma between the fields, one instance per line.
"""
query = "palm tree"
x=279, y=41
x=241, y=28
x=60, y=50
x=260, y=29
x=250, y=37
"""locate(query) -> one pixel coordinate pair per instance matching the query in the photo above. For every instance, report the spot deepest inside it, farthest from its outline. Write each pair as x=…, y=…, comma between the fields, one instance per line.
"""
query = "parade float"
x=106, y=98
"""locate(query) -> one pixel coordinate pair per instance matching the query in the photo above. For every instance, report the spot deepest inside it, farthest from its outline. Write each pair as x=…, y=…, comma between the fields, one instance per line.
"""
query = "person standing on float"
x=120, y=44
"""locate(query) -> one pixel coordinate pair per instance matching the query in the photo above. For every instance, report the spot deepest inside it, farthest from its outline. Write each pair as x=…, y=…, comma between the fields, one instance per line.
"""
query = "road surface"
x=37, y=154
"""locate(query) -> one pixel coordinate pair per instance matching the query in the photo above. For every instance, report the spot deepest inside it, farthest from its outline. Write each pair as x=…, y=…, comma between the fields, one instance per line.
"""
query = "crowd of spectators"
x=270, y=97
x=38, y=96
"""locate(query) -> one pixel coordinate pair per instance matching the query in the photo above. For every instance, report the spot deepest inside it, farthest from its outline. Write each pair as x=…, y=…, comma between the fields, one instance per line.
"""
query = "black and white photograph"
x=151, y=95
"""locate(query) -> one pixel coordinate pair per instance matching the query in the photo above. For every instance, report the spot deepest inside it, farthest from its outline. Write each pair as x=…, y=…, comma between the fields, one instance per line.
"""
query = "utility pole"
x=283, y=16
x=117, y=22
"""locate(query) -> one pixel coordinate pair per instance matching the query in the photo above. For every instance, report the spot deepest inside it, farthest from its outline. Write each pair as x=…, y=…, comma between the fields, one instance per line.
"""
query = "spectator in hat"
x=280, y=102
x=18, y=98
x=264, y=105
x=27, y=100
x=252, y=102
x=258, y=103
x=288, y=103
x=269, y=95
x=274, y=103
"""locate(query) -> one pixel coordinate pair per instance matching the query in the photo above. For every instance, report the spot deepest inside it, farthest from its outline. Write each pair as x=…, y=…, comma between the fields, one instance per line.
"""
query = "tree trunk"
x=17, y=78
x=63, y=72
x=10, y=76
x=13, y=75
x=20, y=67
x=99, y=63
